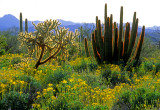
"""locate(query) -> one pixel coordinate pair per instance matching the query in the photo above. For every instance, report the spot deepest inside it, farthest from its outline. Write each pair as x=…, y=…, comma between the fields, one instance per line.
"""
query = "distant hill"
x=9, y=21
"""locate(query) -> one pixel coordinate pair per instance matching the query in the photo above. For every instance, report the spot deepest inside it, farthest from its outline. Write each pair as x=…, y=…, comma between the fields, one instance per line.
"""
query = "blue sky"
x=148, y=11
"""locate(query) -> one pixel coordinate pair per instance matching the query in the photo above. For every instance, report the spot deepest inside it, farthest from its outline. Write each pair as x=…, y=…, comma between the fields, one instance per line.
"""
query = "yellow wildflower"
x=50, y=84
x=64, y=81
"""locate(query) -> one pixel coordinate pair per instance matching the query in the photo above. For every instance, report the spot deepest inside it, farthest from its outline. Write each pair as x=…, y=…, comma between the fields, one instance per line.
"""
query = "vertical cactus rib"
x=97, y=35
x=110, y=39
x=105, y=30
x=126, y=41
x=26, y=25
x=113, y=39
x=21, y=23
x=107, y=42
x=96, y=55
x=139, y=46
x=132, y=32
x=100, y=40
x=86, y=47
x=132, y=39
x=115, y=44
x=121, y=50
x=120, y=33
x=105, y=12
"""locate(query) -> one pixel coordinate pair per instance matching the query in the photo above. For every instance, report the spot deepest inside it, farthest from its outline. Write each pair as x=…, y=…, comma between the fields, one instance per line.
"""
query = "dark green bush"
x=33, y=86
x=148, y=65
x=4, y=63
x=84, y=64
x=75, y=105
x=55, y=77
x=115, y=77
x=14, y=101
x=96, y=107
x=135, y=99
x=15, y=60
x=59, y=104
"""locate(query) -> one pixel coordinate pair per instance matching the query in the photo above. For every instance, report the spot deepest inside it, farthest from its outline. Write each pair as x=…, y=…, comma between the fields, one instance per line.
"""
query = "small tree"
x=3, y=44
x=48, y=38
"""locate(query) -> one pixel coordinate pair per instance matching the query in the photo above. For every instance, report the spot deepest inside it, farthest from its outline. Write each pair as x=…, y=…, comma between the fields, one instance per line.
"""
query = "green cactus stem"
x=21, y=23
x=26, y=25
x=86, y=47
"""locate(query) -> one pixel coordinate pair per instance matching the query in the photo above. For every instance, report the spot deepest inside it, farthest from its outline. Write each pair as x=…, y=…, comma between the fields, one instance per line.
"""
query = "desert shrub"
x=14, y=101
x=55, y=77
x=140, y=98
x=10, y=59
x=4, y=63
x=83, y=64
x=92, y=80
x=31, y=88
x=32, y=84
x=15, y=60
x=96, y=107
x=75, y=105
x=148, y=65
x=3, y=44
x=114, y=75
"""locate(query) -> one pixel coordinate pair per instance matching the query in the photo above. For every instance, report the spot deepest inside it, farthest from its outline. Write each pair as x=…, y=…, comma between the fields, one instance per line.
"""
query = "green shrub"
x=114, y=77
x=4, y=63
x=15, y=60
x=32, y=87
x=140, y=98
x=96, y=107
x=75, y=105
x=14, y=101
x=83, y=64
x=55, y=77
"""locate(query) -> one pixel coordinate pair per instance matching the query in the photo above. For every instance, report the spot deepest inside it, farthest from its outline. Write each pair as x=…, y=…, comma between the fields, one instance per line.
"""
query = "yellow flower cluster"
x=76, y=62
x=9, y=76
x=79, y=89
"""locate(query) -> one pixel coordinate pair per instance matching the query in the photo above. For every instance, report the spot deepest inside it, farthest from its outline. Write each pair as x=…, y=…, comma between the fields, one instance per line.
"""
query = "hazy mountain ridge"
x=9, y=21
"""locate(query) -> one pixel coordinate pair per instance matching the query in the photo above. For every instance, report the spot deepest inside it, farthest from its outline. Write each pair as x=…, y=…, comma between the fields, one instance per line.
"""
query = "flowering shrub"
x=76, y=86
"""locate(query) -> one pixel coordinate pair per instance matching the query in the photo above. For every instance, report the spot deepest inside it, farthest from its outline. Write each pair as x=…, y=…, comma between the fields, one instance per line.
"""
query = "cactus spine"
x=110, y=48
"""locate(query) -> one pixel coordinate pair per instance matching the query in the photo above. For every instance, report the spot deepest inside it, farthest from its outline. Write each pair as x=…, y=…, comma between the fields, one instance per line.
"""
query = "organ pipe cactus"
x=114, y=46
